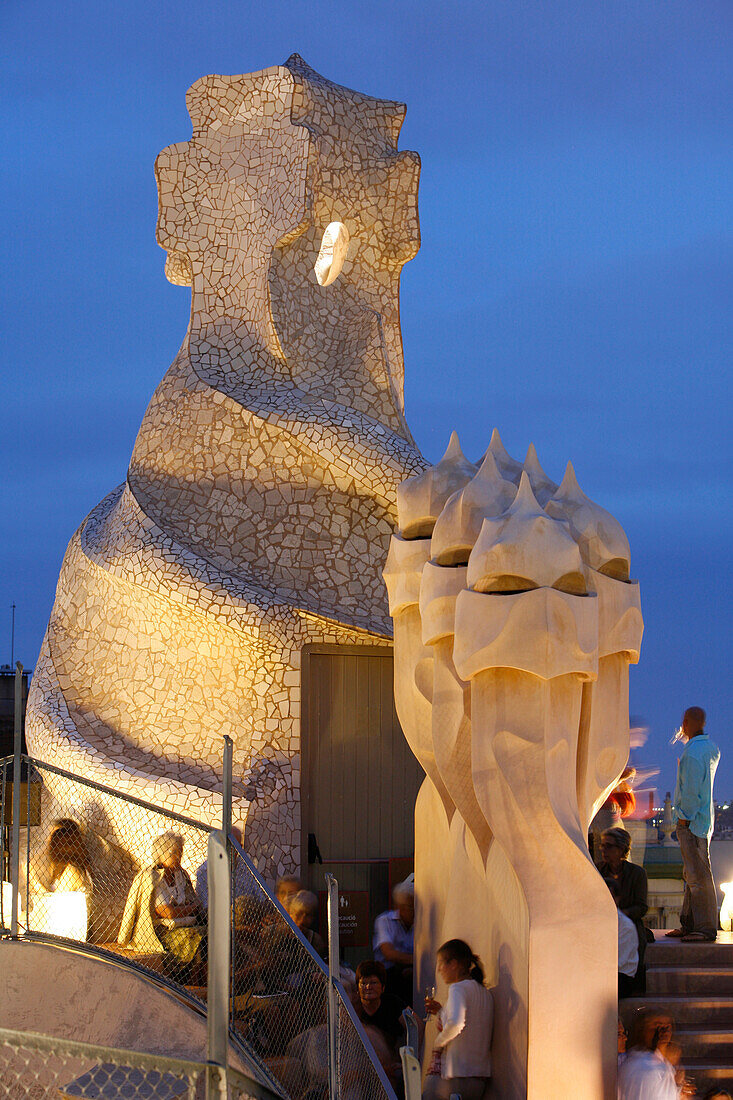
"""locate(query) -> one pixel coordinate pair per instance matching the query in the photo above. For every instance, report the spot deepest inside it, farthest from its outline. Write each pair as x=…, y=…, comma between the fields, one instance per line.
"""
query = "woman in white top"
x=464, y=1024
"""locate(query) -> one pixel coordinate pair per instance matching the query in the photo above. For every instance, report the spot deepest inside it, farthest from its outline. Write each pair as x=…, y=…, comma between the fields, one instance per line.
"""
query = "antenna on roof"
x=12, y=637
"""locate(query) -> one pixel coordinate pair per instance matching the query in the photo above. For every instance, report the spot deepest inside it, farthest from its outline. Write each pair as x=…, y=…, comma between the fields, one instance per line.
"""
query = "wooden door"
x=359, y=779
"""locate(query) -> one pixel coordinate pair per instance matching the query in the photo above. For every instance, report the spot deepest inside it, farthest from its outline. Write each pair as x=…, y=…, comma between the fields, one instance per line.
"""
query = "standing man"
x=693, y=813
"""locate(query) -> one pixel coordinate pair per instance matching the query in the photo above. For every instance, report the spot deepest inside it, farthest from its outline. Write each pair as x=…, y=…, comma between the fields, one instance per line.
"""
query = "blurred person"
x=306, y=1057
x=465, y=1024
x=630, y=890
x=242, y=883
x=648, y=1071
x=286, y=888
x=66, y=868
x=622, y=1037
x=393, y=941
x=78, y=858
x=248, y=958
x=303, y=913
x=694, y=820
x=163, y=912
x=620, y=803
x=715, y=1093
x=68, y=861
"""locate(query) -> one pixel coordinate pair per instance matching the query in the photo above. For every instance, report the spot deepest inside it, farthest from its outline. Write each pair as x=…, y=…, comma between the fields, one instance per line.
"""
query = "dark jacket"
x=631, y=892
x=630, y=889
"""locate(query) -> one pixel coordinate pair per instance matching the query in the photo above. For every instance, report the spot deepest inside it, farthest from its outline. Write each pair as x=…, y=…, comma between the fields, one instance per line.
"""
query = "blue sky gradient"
x=573, y=288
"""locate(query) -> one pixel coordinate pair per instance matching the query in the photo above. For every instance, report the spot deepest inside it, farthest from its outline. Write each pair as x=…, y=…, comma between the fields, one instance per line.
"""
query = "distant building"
x=663, y=866
x=7, y=708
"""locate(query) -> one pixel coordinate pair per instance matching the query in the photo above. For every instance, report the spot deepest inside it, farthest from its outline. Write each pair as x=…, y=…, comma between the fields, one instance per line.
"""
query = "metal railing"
x=36, y=1067
x=288, y=1005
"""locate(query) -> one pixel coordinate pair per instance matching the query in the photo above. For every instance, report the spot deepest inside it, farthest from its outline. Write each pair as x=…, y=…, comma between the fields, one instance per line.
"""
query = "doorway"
x=358, y=785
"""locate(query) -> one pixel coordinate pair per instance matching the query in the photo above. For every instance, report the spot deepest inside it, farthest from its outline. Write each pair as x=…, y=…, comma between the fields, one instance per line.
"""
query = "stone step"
x=674, y=953
x=692, y=1013
x=708, y=1044
x=705, y=1073
x=698, y=981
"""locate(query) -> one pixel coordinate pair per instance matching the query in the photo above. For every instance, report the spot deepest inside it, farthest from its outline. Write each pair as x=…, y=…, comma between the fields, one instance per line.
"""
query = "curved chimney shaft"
x=525, y=605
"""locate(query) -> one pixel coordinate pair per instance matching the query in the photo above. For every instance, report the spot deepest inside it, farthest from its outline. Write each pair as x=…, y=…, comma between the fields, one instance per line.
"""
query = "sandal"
x=696, y=937
x=675, y=933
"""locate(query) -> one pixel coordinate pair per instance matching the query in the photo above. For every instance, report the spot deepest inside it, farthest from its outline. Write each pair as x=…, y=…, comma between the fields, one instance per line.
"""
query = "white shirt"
x=628, y=946
x=173, y=894
x=388, y=928
x=646, y=1076
x=468, y=1020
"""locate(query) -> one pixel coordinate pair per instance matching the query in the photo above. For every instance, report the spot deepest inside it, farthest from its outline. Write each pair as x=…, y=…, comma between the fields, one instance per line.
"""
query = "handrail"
x=236, y=847
x=94, y=951
x=161, y=810
x=318, y=961
x=134, y=1058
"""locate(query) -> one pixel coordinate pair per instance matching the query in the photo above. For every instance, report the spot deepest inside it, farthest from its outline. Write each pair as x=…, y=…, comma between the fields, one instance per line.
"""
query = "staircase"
x=693, y=983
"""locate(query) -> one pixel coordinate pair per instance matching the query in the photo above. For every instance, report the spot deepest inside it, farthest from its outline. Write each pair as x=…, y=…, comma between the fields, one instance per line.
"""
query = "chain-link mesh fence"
x=42, y=1067
x=100, y=868
x=279, y=985
x=280, y=998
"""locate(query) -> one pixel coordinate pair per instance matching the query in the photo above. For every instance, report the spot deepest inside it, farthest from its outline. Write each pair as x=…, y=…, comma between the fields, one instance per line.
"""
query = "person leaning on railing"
x=163, y=914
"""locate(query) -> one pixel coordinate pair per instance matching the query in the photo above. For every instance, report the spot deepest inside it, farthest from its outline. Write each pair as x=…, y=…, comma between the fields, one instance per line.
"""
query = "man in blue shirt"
x=394, y=941
x=693, y=812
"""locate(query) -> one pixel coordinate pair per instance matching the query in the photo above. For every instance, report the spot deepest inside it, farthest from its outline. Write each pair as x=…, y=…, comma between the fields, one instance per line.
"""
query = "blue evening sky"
x=573, y=287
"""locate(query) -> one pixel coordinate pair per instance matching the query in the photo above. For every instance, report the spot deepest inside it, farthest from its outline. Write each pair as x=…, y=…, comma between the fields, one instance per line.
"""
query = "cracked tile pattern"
x=261, y=495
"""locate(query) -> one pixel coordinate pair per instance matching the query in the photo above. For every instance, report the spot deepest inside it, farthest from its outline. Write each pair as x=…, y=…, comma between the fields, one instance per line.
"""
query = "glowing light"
x=726, y=909
x=334, y=246
x=63, y=913
x=8, y=903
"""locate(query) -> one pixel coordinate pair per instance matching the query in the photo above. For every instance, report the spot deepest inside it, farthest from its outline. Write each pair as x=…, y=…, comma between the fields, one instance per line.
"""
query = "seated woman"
x=163, y=913
x=381, y=1011
x=303, y=912
x=628, y=885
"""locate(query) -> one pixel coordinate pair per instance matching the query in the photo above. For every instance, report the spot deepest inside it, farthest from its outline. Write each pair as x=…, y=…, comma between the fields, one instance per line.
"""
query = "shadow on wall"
x=510, y=1021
